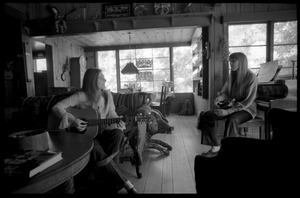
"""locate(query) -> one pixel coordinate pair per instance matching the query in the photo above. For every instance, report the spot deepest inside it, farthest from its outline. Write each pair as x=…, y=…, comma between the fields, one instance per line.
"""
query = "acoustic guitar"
x=94, y=122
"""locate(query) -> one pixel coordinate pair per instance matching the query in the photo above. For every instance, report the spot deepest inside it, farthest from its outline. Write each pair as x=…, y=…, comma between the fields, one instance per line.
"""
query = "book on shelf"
x=30, y=162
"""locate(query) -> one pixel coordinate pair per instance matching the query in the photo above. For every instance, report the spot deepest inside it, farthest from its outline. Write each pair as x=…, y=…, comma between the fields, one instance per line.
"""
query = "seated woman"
x=109, y=140
x=235, y=104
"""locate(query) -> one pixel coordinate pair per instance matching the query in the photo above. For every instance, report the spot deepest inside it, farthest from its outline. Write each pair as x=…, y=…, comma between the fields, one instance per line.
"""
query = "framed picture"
x=144, y=63
x=145, y=76
x=162, y=8
x=117, y=10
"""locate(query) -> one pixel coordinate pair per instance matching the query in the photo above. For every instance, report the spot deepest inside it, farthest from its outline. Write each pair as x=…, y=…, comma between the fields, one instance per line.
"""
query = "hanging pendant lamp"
x=130, y=68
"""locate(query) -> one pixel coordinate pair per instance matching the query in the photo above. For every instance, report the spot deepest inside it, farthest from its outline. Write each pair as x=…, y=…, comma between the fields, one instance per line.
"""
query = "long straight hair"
x=237, y=78
x=90, y=84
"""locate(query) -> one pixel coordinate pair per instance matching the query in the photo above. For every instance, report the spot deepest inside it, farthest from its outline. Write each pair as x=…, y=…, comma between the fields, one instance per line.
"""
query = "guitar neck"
x=109, y=121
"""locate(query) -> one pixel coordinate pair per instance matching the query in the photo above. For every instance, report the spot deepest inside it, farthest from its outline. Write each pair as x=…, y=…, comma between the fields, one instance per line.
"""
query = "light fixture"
x=130, y=68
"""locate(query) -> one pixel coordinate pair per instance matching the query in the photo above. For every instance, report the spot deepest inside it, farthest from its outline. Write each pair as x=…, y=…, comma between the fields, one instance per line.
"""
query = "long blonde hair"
x=90, y=84
x=237, y=78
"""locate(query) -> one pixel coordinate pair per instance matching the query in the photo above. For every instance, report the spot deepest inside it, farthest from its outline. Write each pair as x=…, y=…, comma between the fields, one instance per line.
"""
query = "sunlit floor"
x=172, y=173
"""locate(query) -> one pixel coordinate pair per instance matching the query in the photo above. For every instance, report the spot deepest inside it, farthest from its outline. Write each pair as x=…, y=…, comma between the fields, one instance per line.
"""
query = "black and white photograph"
x=150, y=98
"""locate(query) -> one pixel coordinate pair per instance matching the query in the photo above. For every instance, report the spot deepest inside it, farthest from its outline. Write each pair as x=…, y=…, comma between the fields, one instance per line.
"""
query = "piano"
x=274, y=92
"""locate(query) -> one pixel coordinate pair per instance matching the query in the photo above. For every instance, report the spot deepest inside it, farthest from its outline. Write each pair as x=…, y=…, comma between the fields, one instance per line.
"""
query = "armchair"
x=253, y=164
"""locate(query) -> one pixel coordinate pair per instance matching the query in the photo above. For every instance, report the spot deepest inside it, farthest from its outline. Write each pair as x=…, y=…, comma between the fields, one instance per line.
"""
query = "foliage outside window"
x=183, y=69
x=285, y=46
x=107, y=63
x=251, y=39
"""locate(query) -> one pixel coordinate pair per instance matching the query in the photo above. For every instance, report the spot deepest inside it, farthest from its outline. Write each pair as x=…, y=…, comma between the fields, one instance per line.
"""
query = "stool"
x=256, y=122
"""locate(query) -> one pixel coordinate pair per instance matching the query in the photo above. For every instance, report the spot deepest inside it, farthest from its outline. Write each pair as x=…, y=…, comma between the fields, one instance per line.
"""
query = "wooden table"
x=75, y=149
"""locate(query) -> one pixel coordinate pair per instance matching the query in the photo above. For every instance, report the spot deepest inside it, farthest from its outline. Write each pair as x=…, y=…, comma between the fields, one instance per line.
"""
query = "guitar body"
x=89, y=115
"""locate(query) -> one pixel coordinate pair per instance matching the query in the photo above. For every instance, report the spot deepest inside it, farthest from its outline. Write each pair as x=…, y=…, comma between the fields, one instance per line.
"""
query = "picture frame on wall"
x=144, y=63
x=145, y=76
x=117, y=10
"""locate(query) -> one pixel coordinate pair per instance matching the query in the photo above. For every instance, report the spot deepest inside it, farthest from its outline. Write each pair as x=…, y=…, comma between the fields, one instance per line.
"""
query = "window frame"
x=269, y=36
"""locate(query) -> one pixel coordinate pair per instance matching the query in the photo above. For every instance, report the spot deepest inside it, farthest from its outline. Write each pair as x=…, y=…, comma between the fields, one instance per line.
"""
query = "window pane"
x=107, y=63
x=157, y=86
x=255, y=56
x=183, y=69
x=285, y=55
x=161, y=63
x=162, y=74
x=250, y=34
x=148, y=86
x=144, y=53
x=285, y=32
x=41, y=64
x=126, y=54
x=161, y=52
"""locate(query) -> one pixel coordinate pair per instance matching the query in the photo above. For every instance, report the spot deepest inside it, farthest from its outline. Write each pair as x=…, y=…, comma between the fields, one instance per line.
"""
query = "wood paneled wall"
x=62, y=50
x=244, y=8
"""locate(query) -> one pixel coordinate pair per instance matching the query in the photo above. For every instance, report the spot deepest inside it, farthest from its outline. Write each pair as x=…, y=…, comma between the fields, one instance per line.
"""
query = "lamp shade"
x=130, y=68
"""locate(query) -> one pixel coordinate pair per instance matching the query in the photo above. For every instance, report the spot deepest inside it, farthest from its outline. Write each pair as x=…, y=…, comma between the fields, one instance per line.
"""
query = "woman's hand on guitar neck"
x=121, y=125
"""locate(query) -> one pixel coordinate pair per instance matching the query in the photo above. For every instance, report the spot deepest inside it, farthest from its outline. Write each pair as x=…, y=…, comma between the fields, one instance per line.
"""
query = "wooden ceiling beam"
x=117, y=24
x=138, y=46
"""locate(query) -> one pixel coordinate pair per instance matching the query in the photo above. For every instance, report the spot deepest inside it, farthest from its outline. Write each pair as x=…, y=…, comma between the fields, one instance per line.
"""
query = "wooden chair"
x=256, y=122
x=161, y=104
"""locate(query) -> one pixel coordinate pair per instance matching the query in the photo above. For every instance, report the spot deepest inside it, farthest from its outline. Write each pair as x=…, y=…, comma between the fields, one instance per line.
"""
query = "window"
x=107, y=63
x=183, y=69
x=285, y=46
x=153, y=65
x=251, y=39
x=40, y=65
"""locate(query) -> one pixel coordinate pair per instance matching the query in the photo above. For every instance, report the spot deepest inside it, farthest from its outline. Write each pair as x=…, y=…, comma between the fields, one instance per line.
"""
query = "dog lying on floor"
x=158, y=124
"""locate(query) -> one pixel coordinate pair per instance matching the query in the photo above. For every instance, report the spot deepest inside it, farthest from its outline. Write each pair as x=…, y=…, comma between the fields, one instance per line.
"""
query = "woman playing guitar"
x=108, y=139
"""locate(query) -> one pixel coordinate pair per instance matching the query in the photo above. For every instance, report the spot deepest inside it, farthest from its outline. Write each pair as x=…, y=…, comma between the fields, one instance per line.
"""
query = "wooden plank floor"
x=172, y=173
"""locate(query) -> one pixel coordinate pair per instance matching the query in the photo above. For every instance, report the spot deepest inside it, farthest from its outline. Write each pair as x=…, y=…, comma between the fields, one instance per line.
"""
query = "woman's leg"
x=108, y=143
x=210, y=126
x=233, y=122
x=111, y=140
